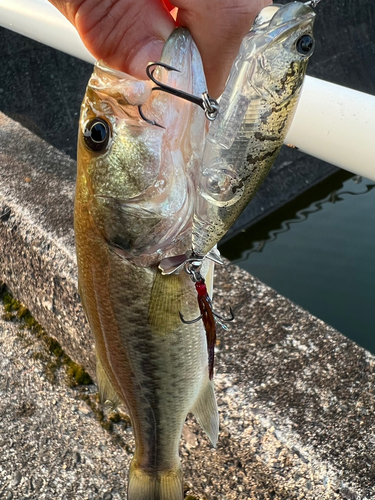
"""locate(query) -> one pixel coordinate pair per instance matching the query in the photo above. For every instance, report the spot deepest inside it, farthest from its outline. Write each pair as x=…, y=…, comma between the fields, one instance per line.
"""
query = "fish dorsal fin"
x=206, y=412
x=106, y=391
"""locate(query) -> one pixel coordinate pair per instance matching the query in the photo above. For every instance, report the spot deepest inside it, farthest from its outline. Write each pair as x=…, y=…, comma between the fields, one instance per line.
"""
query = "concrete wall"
x=296, y=397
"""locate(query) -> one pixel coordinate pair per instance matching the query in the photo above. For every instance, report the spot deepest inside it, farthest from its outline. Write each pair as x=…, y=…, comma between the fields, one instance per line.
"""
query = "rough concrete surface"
x=51, y=445
x=37, y=239
x=296, y=398
x=276, y=440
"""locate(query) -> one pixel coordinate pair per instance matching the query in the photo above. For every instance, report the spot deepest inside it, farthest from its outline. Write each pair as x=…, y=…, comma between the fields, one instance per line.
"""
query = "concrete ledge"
x=296, y=397
x=36, y=235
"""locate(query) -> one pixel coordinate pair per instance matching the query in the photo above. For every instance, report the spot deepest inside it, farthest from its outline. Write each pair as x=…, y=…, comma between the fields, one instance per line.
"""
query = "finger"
x=126, y=34
x=168, y=5
x=218, y=27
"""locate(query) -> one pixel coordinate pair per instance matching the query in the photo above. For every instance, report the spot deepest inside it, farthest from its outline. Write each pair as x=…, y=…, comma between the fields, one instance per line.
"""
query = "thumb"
x=125, y=34
x=218, y=27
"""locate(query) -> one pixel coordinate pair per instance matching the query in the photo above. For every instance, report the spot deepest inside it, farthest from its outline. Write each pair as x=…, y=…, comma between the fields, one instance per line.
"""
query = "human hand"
x=128, y=34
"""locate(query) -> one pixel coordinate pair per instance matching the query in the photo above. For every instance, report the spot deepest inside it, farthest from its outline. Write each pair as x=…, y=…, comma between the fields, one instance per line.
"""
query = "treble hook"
x=226, y=320
x=210, y=106
x=191, y=321
x=193, y=267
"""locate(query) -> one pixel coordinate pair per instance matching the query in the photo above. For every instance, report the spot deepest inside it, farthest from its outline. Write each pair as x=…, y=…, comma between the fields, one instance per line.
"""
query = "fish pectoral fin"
x=209, y=278
x=206, y=412
x=106, y=391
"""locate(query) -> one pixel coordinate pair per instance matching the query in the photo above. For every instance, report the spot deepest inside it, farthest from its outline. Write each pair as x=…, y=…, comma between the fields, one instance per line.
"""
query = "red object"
x=209, y=322
x=201, y=288
x=168, y=5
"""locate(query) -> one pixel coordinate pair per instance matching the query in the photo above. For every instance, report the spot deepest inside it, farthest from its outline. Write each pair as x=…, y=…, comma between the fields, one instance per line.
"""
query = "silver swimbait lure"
x=256, y=109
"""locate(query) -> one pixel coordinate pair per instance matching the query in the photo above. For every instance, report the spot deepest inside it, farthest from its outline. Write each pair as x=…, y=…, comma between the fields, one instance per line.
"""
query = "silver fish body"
x=256, y=109
x=135, y=195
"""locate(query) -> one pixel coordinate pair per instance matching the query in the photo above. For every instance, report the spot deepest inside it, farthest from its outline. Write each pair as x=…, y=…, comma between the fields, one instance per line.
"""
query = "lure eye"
x=96, y=134
x=305, y=45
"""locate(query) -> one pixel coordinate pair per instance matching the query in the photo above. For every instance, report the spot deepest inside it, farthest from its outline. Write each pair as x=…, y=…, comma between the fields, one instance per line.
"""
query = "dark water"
x=319, y=251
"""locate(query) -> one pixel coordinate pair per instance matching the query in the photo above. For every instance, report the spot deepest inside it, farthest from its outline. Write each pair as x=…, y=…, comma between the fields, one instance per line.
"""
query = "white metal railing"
x=332, y=123
x=41, y=21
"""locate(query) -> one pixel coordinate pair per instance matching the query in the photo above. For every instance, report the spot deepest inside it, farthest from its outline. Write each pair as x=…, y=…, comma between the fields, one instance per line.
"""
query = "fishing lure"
x=209, y=317
x=255, y=112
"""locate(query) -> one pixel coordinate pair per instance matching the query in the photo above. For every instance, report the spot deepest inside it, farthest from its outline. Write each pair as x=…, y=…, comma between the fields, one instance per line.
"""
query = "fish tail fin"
x=156, y=485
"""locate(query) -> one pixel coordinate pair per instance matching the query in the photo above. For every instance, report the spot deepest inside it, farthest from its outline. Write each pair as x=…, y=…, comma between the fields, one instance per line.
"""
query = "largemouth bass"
x=255, y=111
x=136, y=188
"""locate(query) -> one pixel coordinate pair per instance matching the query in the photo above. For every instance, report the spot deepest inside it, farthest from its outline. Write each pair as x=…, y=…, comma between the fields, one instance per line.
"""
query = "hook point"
x=187, y=322
x=151, y=122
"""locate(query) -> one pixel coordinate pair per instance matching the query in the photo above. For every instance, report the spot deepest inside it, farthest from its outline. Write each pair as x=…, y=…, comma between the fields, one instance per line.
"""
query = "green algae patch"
x=8, y=316
x=116, y=420
x=187, y=493
x=15, y=311
x=77, y=374
x=115, y=417
x=53, y=358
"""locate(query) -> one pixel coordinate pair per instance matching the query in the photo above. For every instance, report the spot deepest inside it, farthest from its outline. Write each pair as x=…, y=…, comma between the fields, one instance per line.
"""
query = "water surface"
x=319, y=251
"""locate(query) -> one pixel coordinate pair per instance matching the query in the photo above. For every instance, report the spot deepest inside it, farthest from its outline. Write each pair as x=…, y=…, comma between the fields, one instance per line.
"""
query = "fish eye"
x=305, y=45
x=96, y=134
